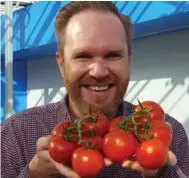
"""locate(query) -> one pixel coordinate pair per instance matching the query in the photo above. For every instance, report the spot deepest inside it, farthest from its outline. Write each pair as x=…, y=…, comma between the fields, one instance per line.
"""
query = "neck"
x=74, y=111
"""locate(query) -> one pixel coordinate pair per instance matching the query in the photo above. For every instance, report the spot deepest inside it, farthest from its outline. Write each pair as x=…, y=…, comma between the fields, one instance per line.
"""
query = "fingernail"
x=107, y=162
x=136, y=166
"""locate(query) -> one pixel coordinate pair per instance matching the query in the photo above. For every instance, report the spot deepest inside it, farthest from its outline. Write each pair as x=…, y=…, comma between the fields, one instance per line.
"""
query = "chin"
x=108, y=109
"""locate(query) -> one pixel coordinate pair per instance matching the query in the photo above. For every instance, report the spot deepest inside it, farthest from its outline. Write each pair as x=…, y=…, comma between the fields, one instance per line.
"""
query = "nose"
x=98, y=69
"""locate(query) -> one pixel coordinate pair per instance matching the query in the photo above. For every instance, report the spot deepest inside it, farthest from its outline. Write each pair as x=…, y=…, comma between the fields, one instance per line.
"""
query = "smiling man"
x=94, y=61
x=94, y=56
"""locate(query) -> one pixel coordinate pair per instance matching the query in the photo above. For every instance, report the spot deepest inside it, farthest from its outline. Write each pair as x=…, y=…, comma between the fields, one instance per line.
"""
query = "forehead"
x=95, y=29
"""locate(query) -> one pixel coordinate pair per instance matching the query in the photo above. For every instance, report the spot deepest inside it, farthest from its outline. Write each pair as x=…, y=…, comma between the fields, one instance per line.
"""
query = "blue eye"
x=82, y=56
x=113, y=56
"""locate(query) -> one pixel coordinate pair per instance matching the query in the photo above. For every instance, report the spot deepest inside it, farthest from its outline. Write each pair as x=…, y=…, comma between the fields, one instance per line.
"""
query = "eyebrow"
x=108, y=52
x=115, y=52
x=81, y=53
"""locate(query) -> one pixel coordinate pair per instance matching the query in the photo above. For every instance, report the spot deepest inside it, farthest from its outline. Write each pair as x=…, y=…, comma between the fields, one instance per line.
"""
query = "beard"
x=99, y=103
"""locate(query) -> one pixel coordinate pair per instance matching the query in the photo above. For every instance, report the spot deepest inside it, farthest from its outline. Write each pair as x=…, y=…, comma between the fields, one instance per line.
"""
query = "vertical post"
x=8, y=59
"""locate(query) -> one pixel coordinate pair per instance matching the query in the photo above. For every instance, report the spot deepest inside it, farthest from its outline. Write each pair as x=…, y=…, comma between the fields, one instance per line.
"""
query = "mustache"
x=97, y=81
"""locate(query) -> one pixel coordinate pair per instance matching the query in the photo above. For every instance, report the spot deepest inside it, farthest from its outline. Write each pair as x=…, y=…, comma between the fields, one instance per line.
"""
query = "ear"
x=60, y=62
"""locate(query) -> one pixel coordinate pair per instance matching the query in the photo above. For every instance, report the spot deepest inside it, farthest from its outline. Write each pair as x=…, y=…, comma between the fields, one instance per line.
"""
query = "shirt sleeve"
x=13, y=164
x=181, y=147
x=24, y=173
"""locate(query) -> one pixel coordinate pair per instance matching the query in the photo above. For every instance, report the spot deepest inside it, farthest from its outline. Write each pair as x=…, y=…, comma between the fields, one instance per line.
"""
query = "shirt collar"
x=66, y=114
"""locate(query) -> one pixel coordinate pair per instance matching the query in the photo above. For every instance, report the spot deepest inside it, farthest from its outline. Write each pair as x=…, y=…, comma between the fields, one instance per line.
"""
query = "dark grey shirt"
x=20, y=132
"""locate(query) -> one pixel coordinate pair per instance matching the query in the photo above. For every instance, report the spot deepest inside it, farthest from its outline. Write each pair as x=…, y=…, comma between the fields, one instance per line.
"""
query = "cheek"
x=121, y=69
x=73, y=72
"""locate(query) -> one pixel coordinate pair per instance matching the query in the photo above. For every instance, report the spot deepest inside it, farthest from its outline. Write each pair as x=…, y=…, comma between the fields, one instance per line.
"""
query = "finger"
x=171, y=159
x=127, y=164
x=169, y=125
x=47, y=168
x=66, y=171
x=107, y=162
x=137, y=167
x=44, y=155
x=150, y=173
x=133, y=165
x=43, y=142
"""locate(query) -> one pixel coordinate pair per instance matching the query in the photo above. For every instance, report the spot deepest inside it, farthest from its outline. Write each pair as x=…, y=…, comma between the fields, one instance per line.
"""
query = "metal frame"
x=8, y=59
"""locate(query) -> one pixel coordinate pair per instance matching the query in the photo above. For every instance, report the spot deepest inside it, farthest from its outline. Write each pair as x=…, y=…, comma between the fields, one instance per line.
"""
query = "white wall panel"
x=160, y=72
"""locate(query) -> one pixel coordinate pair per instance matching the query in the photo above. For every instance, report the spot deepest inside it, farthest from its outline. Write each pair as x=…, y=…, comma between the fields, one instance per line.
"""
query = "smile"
x=98, y=88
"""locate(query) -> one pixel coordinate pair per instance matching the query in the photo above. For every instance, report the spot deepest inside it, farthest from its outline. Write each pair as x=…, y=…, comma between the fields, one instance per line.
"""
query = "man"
x=94, y=57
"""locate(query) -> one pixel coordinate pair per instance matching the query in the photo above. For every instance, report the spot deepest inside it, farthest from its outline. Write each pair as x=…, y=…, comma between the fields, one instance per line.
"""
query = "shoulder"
x=127, y=108
x=128, y=105
x=39, y=110
x=32, y=114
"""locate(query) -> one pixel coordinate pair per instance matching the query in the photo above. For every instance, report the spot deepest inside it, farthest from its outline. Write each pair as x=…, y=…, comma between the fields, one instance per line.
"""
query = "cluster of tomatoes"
x=83, y=144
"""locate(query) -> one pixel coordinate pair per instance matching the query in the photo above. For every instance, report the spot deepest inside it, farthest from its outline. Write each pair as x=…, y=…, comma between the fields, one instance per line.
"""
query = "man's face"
x=96, y=65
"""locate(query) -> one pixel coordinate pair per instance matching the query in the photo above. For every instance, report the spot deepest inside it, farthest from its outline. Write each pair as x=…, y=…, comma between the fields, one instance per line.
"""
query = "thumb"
x=107, y=162
x=43, y=142
x=171, y=159
x=66, y=171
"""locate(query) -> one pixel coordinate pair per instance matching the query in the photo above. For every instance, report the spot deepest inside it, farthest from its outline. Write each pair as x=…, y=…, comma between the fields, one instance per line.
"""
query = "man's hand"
x=42, y=165
x=171, y=161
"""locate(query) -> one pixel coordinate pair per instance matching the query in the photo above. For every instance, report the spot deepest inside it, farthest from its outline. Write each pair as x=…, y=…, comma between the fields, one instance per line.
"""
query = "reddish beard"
x=74, y=93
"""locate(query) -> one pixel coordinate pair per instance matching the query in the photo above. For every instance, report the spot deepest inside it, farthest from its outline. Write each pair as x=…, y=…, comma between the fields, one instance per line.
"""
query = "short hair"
x=73, y=8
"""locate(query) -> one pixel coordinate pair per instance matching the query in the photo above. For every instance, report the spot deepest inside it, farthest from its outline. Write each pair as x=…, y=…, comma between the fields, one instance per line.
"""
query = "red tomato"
x=96, y=122
x=162, y=131
x=156, y=112
x=87, y=163
x=152, y=154
x=61, y=150
x=115, y=122
x=144, y=136
x=119, y=145
x=60, y=128
x=157, y=122
x=95, y=142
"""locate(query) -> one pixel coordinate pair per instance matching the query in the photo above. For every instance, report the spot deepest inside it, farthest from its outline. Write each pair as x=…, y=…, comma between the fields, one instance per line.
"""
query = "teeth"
x=98, y=88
